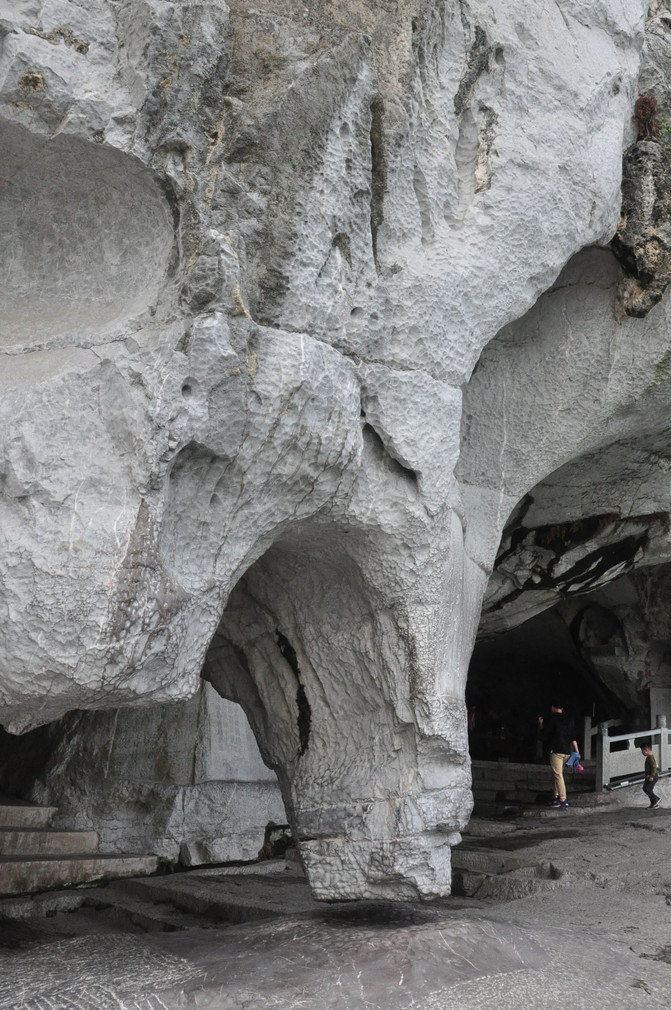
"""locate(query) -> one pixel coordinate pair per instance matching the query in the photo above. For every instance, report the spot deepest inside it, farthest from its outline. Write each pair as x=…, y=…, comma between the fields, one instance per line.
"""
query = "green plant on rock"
x=276, y=841
x=167, y=865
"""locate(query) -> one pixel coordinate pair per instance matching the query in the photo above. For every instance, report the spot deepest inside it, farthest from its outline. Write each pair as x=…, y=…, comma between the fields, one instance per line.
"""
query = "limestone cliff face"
x=252, y=254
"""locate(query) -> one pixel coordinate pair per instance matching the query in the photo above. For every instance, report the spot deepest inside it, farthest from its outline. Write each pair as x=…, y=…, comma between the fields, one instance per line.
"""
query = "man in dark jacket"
x=560, y=732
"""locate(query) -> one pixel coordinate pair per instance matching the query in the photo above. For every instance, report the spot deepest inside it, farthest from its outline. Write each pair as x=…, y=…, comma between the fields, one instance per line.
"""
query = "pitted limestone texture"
x=602, y=505
x=642, y=242
x=85, y=238
x=314, y=589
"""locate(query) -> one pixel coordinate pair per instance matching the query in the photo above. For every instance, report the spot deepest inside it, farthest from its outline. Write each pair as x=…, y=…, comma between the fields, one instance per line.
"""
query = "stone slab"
x=465, y=883
x=25, y=815
x=487, y=861
x=509, y=888
x=479, y=827
x=44, y=842
x=117, y=906
x=48, y=903
x=227, y=897
x=19, y=876
x=42, y=904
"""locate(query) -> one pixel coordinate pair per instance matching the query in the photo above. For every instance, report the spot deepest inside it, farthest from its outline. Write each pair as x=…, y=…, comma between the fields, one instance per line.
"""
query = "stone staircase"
x=204, y=897
x=35, y=857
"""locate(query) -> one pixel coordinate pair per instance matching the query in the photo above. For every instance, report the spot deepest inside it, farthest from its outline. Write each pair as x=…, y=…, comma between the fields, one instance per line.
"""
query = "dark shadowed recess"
x=513, y=679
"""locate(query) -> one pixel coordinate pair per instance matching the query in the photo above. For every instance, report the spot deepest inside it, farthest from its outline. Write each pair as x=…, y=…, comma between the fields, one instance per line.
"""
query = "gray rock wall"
x=179, y=779
x=257, y=253
x=580, y=394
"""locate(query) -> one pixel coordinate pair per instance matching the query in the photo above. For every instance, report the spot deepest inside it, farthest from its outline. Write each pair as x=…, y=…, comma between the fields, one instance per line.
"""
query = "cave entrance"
x=607, y=653
x=514, y=676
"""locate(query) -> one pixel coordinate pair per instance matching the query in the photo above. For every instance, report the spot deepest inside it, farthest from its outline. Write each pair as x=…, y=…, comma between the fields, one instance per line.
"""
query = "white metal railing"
x=620, y=763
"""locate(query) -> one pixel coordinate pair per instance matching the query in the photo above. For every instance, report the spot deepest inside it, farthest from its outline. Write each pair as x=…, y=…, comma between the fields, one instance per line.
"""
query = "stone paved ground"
x=603, y=939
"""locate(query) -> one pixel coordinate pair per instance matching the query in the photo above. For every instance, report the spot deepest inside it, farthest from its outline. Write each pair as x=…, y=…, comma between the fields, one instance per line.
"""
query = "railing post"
x=587, y=738
x=663, y=744
x=602, y=758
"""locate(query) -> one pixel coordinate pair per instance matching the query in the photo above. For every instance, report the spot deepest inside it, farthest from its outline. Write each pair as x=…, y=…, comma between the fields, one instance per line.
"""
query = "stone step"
x=580, y=804
x=519, y=792
x=14, y=814
x=502, y=887
x=493, y=810
x=26, y=842
x=592, y=799
x=43, y=904
x=482, y=860
x=222, y=907
x=224, y=897
x=499, y=875
x=481, y=827
x=130, y=901
x=152, y=916
x=39, y=873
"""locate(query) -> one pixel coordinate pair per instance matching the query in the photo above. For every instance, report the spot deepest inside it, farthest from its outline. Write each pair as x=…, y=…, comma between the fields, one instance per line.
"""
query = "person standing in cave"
x=560, y=732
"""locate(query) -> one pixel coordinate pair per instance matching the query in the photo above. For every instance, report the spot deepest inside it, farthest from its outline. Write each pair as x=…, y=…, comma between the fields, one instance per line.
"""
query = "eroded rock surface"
x=260, y=250
x=642, y=242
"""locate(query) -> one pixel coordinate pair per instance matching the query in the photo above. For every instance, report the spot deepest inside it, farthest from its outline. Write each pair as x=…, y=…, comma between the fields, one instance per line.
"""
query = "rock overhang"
x=355, y=206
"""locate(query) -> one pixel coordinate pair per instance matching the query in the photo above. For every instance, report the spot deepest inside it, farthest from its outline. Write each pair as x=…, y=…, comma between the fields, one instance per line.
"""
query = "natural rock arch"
x=376, y=786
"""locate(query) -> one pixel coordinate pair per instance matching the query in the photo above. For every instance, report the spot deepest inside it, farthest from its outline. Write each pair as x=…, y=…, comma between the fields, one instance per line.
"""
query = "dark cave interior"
x=515, y=677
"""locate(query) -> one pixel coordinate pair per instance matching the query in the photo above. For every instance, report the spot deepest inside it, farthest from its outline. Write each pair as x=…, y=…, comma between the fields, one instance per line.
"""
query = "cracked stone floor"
x=602, y=936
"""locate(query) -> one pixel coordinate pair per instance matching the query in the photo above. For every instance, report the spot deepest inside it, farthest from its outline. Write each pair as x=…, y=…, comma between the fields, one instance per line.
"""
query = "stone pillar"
x=663, y=744
x=602, y=758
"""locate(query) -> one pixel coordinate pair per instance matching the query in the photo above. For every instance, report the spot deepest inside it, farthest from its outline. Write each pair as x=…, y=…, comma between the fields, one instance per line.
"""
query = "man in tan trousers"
x=560, y=732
